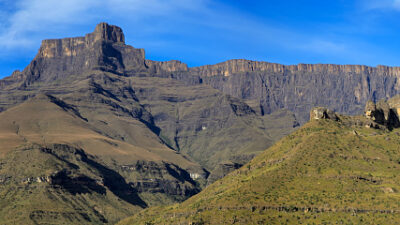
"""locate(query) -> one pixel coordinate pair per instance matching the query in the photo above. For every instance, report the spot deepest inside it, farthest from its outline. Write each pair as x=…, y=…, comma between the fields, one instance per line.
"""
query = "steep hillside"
x=209, y=127
x=61, y=184
x=49, y=147
x=335, y=169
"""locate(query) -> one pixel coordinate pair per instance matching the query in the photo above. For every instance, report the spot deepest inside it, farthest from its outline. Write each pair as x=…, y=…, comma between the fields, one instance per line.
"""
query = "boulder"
x=323, y=113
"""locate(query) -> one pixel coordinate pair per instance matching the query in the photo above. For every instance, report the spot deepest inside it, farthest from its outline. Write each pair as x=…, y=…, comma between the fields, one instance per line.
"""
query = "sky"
x=200, y=32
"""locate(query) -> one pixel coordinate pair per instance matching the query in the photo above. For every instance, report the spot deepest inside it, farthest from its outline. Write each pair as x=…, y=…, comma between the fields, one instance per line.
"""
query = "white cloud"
x=32, y=19
x=396, y=4
x=381, y=5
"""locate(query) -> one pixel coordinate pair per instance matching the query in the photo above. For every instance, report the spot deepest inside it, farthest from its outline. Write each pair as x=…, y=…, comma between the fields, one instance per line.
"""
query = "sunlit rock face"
x=270, y=86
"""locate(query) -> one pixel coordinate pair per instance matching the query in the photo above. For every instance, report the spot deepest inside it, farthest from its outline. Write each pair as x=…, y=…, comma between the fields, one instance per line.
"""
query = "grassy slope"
x=42, y=123
x=83, y=199
x=322, y=173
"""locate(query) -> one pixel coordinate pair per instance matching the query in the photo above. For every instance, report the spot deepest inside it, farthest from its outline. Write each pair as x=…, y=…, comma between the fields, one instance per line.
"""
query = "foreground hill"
x=335, y=169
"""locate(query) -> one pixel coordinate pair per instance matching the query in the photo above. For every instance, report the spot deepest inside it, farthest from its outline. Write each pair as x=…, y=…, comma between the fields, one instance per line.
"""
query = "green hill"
x=327, y=172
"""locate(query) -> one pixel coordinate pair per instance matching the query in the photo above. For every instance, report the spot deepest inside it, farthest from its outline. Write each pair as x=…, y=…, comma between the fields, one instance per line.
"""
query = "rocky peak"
x=74, y=46
x=106, y=32
x=103, y=49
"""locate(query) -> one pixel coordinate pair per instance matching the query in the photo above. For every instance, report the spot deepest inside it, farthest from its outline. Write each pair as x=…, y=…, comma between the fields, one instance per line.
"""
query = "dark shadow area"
x=83, y=184
x=52, y=152
x=77, y=185
x=179, y=174
x=65, y=106
x=114, y=182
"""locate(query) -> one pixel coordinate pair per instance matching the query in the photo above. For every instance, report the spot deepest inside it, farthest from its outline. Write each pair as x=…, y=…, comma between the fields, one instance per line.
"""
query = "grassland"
x=324, y=173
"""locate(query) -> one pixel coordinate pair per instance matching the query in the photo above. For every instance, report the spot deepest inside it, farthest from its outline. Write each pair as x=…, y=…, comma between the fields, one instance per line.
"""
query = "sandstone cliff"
x=231, y=67
x=343, y=88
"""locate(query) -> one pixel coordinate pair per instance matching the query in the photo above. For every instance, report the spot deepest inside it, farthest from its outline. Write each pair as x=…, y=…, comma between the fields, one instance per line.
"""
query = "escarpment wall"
x=343, y=88
x=233, y=66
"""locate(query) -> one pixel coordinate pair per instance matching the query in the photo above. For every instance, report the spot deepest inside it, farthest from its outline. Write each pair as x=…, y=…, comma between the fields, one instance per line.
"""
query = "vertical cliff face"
x=234, y=66
x=165, y=67
x=343, y=88
x=106, y=32
x=104, y=49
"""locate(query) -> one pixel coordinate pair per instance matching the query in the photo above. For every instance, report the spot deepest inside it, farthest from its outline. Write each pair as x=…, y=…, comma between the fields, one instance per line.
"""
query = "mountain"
x=335, y=168
x=100, y=71
x=91, y=132
x=268, y=87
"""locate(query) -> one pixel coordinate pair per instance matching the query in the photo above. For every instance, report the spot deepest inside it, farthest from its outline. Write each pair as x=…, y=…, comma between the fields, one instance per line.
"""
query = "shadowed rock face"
x=385, y=113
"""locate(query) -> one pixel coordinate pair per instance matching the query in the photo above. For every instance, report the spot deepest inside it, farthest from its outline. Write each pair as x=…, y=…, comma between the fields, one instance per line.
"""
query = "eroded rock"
x=318, y=113
x=382, y=113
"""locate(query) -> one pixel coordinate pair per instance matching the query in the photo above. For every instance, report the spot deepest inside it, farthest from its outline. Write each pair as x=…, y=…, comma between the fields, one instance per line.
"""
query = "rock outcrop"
x=383, y=113
x=318, y=113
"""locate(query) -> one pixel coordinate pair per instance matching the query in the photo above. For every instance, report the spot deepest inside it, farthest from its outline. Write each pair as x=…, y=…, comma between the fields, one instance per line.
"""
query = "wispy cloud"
x=173, y=28
x=33, y=18
x=381, y=5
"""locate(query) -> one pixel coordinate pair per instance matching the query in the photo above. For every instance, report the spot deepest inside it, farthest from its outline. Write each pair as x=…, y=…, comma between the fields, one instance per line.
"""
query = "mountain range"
x=92, y=132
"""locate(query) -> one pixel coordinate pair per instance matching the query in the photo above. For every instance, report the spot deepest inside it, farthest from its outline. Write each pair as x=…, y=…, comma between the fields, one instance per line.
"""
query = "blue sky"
x=201, y=32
